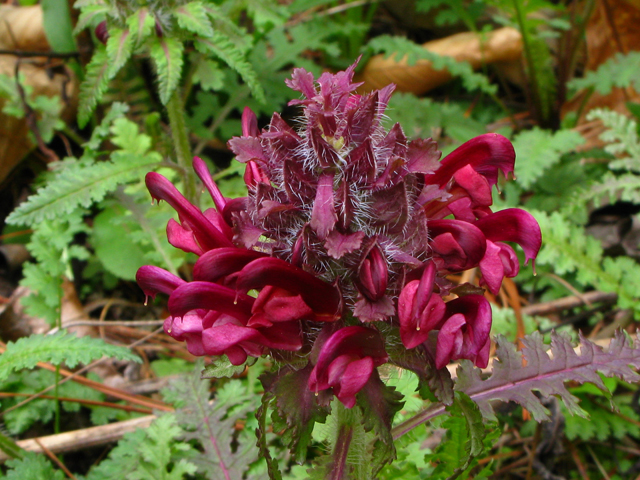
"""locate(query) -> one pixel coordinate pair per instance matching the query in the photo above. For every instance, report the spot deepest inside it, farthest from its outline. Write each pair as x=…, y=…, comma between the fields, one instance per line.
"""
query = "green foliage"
x=42, y=410
x=46, y=109
x=161, y=33
x=221, y=367
x=86, y=181
x=621, y=70
x=58, y=348
x=33, y=467
x=404, y=49
x=50, y=246
x=464, y=439
x=56, y=20
x=150, y=454
x=539, y=150
x=423, y=117
x=211, y=424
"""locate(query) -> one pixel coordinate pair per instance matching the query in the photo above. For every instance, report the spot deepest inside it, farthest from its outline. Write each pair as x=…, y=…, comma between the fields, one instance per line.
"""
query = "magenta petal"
x=283, y=336
x=513, y=225
x=280, y=306
x=446, y=343
x=181, y=238
x=353, y=340
x=218, y=263
x=354, y=377
x=492, y=268
x=153, y=280
x=457, y=245
x=207, y=235
x=324, y=299
x=203, y=172
x=210, y=296
x=477, y=312
x=487, y=154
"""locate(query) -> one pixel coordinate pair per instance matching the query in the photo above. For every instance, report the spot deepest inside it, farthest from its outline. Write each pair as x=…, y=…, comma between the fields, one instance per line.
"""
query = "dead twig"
x=85, y=438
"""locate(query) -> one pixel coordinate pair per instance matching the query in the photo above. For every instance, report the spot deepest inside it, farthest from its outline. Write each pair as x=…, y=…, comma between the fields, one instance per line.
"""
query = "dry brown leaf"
x=501, y=45
x=21, y=29
x=609, y=31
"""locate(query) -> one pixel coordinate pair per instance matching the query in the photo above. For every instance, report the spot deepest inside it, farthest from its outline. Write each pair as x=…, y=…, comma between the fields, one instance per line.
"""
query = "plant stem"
x=417, y=420
x=526, y=41
x=339, y=468
x=180, y=136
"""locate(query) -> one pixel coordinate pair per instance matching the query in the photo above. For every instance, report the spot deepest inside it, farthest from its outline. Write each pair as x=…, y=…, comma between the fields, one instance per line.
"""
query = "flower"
x=345, y=225
x=346, y=362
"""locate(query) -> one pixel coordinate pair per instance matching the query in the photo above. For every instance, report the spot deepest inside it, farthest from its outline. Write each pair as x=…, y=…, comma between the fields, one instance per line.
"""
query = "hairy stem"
x=339, y=467
x=180, y=136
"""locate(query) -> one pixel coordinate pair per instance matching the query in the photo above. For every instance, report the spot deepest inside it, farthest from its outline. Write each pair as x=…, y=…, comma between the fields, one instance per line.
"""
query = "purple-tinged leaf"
x=338, y=244
x=423, y=156
x=390, y=208
x=379, y=404
x=298, y=408
x=323, y=215
x=545, y=374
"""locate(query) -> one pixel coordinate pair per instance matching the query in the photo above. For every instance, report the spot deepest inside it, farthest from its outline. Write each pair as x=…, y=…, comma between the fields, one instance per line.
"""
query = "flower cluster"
x=348, y=231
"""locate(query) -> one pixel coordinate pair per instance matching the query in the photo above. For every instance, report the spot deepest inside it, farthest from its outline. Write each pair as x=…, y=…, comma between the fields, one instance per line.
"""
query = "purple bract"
x=347, y=235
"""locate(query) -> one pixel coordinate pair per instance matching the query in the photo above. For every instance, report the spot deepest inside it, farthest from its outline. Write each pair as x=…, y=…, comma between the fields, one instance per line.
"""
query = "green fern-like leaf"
x=568, y=250
x=141, y=24
x=625, y=188
x=83, y=183
x=402, y=48
x=220, y=46
x=56, y=349
x=94, y=86
x=167, y=56
x=193, y=17
x=151, y=454
x=119, y=49
x=211, y=425
x=622, y=70
x=33, y=467
x=621, y=136
x=538, y=150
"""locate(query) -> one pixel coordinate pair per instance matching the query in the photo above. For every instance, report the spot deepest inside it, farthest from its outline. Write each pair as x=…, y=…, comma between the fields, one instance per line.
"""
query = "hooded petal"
x=324, y=299
x=457, y=245
x=487, y=154
x=153, y=280
x=513, y=225
x=182, y=238
x=203, y=173
x=218, y=263
x=210, y=296
x=207, y=235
